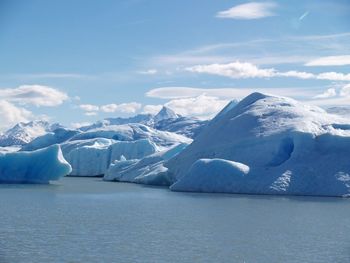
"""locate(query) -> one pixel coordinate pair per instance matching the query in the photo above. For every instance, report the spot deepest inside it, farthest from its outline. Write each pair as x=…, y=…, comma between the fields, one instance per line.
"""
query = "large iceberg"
x=39, y=166
x=284, y=146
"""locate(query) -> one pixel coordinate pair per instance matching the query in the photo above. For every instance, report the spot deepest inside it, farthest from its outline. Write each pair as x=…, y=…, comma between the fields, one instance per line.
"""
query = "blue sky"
x=80, y=61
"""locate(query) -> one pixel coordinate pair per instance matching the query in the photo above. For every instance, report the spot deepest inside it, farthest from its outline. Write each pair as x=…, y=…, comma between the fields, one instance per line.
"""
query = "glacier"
x=39, y=166
x=289, y=147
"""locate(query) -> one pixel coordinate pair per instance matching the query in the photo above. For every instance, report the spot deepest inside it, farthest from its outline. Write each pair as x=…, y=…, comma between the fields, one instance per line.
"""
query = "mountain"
x=165, y=114
x=23, y=133
x=165, y=120
x=267, y=145
x=146, y=119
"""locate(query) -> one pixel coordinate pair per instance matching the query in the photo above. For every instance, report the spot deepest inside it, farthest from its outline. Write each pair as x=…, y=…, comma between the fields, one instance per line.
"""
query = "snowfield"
x=39, y=166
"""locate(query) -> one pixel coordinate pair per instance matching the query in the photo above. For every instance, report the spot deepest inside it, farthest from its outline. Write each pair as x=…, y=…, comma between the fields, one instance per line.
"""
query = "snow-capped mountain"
x=23, y=133
x=140, y=118
x=165, y=114
x=165, y=120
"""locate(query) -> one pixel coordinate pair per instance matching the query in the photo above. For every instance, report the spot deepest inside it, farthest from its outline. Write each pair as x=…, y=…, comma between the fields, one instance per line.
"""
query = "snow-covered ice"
x=289, y=147
x=39, y=166
x=148, y=170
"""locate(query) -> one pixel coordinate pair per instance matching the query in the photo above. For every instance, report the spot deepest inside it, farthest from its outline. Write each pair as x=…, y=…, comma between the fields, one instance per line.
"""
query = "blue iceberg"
x=41, y=166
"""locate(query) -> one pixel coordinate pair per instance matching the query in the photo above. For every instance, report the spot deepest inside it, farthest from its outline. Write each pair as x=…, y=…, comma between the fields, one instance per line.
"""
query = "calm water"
x=88, y=220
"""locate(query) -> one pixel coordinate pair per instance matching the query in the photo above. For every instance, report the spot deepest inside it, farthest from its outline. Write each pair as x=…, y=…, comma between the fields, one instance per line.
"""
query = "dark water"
x=87, y=220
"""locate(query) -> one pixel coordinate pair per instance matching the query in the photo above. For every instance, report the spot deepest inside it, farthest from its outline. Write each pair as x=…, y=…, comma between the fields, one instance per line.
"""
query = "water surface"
x=88, y=220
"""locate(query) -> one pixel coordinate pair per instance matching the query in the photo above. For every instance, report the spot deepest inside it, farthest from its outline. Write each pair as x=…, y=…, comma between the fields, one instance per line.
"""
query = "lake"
x=88, y=220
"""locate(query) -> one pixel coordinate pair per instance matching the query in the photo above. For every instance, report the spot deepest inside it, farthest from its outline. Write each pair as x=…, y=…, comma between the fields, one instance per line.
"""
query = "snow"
x=39, y=166
x=165, y=120
x=289, y=147
x=211, y=175
x=148, y=170
x=92, y=157
x=57, y=136
x=132, y=132
x=164, y=114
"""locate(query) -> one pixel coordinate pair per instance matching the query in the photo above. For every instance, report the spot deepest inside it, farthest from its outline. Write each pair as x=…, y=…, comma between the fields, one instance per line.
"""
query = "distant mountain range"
x=165, y=120
x=22, y=133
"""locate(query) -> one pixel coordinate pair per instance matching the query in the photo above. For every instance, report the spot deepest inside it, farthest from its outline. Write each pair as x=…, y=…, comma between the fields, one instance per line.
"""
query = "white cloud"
x=327, y=94
x=77, y=125
x=330, y=61
x=345, y=91
x=90, y=113
x=92, y=110
x=151, y=109
x=247, y=70
x=202, y=106
x=148, y=72
x=130, y=107
x=109, y=107
x=253, y=10
x=333, y=76
x=228, y=93
x=89, y=107
x=11, y=114
x=234, y=70
x=37, y=95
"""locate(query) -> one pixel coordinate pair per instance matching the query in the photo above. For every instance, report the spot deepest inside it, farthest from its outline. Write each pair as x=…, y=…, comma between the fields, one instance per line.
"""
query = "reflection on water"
x=88, y=220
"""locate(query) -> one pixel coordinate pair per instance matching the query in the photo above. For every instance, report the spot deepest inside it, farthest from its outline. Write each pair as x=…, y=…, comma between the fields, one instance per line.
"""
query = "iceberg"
x=59, y=135
x=92, y=157
x=148, y=170
x=39, y=166
x=212, y=175
x=290, y=148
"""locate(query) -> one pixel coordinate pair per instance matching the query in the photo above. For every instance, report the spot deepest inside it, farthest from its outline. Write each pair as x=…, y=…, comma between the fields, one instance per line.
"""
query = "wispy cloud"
x=253, y=10
x=228, y=93
x=148, y=72
x=238, y=70
x=49, y=75
x=330, y=61
x=304, y=15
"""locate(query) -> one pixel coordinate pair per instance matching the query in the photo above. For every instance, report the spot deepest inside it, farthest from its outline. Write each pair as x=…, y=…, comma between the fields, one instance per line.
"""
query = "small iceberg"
x=41, y=166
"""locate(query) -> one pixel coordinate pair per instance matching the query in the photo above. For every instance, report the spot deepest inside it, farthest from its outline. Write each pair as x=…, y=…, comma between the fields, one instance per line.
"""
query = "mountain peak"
x=164, y=114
